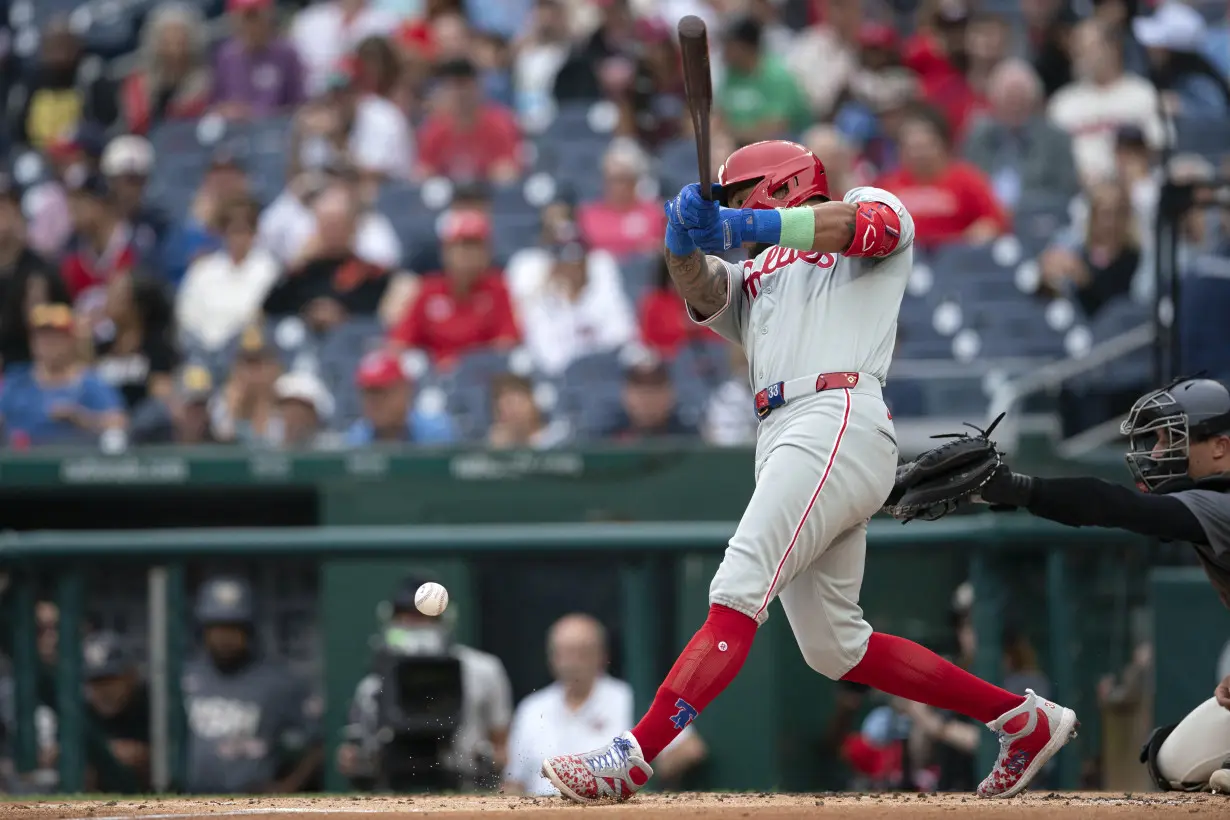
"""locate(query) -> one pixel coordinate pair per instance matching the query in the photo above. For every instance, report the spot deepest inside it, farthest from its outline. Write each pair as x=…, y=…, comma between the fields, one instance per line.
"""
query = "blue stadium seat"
x=339, y=354
x=511, y=231
x=571, y=122
x=470, y=407
x=1204, y=333
x=705, y=362
x=639, y=273
x=1209, y=136
x=414, y=222
x=1119, y=316
x=918, y=339
x=905, y=398
x=599, y=367
x=591, y=408
x=677, y=164
x=1037, y=219
x=112, y=29
x=589, y=392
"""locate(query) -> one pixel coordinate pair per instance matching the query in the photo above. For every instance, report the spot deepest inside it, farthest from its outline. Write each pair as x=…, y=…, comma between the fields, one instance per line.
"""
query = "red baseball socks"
x=706, y=666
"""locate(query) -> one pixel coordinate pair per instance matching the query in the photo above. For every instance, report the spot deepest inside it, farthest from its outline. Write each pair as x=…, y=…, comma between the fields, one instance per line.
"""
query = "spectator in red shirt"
x=939, y=54
x=466, y=308
x=951, y=201
x=623, y=222
x=103, y=244
x=467, y=137
x=665, y=327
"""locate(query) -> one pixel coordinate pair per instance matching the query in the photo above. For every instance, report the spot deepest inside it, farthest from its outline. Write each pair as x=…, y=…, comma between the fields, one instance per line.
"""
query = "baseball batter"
x=815, y=308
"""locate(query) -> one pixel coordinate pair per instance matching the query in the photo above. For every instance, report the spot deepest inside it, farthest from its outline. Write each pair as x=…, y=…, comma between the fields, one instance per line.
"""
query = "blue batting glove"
x=677, y=240
x=690, y=210
x=734, y=226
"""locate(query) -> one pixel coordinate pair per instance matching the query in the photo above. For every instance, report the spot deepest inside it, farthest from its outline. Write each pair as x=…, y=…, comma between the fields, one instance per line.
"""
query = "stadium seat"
x=639, y=273
x=1037, y=219
x=1209, y=136
x=677, y=164
x=411, y=218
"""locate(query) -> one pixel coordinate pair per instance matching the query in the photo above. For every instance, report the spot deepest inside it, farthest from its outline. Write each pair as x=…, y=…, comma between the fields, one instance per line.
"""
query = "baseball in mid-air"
x=431, y=599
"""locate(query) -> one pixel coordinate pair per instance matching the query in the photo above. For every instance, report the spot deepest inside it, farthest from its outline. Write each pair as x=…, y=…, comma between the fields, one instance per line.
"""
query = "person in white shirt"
x=288, y=222
x=583, y=706
x=222, y=292
x=1102, y=98
x=571, y=303
x=347, y=126
x=539, y=57
x=324, y=33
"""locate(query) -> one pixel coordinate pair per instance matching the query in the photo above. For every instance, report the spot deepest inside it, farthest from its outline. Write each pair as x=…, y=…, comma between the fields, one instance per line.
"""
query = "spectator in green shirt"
x=759, y=98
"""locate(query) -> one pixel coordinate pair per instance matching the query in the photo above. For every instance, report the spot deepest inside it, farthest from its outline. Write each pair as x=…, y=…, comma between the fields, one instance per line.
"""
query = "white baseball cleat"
x=610, y=774
x=1029, y=735
x=1219, y=781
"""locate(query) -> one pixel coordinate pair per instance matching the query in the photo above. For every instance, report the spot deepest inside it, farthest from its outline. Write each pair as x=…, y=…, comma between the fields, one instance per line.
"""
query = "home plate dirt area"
x=1033, y=806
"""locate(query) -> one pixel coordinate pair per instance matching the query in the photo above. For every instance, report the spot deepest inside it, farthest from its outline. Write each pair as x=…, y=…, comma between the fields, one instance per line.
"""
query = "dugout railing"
x=749, y=723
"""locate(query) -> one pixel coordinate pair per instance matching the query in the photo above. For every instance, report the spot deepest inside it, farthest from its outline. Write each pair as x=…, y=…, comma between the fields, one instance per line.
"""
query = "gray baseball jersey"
x=1212, y=510
x=244, y=725
x=799, y=314
x=825, y=461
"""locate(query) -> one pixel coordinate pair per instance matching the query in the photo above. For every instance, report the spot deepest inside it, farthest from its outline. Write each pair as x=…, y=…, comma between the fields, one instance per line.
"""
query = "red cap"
x=877, y=35
x=246, y=5
x=380, y=368
x=460, y=226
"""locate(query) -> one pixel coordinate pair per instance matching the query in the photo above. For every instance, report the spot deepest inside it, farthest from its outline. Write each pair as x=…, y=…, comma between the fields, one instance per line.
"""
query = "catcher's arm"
x=1092, y=502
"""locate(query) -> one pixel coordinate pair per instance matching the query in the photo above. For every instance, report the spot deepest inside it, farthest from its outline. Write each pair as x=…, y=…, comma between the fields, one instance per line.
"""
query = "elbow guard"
x=877, y=230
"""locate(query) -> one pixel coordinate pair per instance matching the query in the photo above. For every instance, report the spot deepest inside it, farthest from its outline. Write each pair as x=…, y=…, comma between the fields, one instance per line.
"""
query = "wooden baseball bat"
x=698, y=85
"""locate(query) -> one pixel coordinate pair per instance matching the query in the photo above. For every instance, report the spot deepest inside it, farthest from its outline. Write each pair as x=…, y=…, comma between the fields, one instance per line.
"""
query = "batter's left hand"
x=732, y=228
x=1222, y=693
x=691, y=210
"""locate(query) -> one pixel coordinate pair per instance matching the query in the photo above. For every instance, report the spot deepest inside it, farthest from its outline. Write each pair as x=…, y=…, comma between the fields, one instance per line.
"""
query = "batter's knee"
x=834, y=660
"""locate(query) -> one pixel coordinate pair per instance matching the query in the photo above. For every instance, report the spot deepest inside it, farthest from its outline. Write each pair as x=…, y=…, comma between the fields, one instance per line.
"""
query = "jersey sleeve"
x=1092, y=502
x=869, y=194
x=732, y=318
x=1212, y=510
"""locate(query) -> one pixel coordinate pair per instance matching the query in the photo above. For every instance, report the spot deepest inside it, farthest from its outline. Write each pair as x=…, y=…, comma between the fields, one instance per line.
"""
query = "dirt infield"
x=650, y=807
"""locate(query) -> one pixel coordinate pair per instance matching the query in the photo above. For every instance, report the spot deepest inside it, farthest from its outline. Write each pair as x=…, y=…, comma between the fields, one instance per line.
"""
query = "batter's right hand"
x=1222, y=693
x=690, y=210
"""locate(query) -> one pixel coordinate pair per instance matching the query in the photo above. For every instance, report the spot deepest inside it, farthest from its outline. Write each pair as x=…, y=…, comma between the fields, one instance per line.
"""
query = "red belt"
x=776, y=395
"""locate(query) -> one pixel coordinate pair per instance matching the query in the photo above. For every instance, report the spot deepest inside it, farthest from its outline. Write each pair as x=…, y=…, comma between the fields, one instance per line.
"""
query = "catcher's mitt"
x=935, y=484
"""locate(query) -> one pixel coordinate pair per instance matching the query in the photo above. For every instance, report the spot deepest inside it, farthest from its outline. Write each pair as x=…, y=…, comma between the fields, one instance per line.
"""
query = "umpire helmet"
x=774, y=165
x=1162, y=425
x=225, y=600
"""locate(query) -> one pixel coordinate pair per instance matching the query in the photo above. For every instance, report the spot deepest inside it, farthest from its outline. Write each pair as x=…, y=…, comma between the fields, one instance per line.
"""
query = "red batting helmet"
x=776, y=164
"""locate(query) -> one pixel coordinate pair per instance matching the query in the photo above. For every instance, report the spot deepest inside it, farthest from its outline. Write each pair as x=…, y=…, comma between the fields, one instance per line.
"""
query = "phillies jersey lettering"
x=801, y=313
x=777, y=258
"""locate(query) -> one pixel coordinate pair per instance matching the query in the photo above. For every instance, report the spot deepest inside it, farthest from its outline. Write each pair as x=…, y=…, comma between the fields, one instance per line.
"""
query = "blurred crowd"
x=182, y=312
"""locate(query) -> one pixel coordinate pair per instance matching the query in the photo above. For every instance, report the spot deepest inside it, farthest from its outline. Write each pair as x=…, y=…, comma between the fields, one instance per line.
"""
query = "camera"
x=419, y=709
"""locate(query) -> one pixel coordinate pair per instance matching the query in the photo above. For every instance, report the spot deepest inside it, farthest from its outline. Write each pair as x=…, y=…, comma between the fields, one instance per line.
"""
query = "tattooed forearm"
x=701, y=279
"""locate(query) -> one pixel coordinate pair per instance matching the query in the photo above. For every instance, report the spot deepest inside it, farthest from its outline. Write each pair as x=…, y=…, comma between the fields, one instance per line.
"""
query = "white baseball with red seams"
x=431, y=599
x=825, y=461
